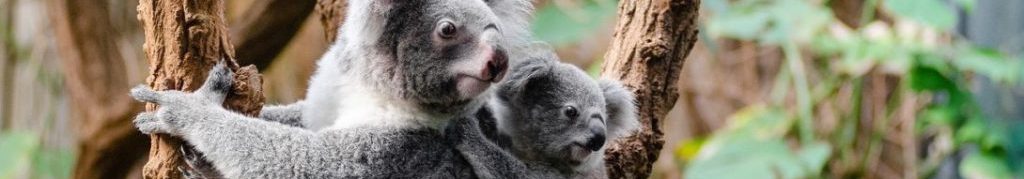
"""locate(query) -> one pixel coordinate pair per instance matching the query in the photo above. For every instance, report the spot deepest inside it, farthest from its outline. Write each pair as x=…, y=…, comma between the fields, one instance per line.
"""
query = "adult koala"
x=552, y=119
x=399, y=72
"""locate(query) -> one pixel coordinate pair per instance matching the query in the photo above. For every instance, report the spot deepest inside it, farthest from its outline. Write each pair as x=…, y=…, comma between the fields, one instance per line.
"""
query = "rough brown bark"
x=652, y=39
x=184, y=39
x=332, y=13
x=96, y=80
x=266, y=29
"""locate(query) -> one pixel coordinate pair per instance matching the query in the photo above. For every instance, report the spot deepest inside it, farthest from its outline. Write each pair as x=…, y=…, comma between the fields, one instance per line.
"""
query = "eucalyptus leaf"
x=990, y=63
x=985, y=165
x=753, y=146
x=929, y=12
x=940, y=116
x=560, y=26
x=923, y=78
x=16, y=151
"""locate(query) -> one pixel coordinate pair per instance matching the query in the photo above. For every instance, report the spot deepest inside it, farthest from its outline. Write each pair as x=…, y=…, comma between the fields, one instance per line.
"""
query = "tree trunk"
x=332, y=13
x=267, y=28
x=652, y=39
x=96, y=79
x=184, y=39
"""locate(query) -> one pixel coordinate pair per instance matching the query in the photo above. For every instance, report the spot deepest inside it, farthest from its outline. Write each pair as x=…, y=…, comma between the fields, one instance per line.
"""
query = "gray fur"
x=544, y=142
x=386, y=53
x=244, y=147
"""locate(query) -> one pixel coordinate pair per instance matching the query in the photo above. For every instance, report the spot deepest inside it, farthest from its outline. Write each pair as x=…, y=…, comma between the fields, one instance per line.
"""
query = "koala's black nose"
x=595, y=143
x=497, y=65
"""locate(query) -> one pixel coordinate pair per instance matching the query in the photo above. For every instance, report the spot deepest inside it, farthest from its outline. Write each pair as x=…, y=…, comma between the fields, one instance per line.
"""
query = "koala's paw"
x=218, y=82
x=214, y=90
x=148, y=123
x=177, y=108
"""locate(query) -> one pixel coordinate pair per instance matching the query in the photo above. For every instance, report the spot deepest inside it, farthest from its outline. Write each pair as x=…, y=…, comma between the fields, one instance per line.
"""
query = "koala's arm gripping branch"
x=652, y=39
x=270, y=150
x=183, y=40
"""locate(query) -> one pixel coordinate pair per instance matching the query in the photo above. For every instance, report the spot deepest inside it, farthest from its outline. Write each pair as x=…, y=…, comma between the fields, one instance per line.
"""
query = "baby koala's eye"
x=447, y=30
x=571, y=112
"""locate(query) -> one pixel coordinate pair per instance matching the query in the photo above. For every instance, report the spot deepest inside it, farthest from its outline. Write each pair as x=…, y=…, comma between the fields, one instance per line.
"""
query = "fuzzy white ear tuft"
x=622, y=116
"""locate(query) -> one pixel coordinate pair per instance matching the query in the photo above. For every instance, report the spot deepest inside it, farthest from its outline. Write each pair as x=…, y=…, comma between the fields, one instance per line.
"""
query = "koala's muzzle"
x=595, y=142
x=487, y=64
x=496, y=66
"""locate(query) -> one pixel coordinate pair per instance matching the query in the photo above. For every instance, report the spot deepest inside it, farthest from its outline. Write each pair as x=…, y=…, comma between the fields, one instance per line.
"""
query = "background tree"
x=108, y=145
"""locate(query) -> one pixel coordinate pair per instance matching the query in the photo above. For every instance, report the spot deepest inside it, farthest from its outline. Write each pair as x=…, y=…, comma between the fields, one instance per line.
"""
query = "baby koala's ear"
x=622, y=117
x=521, y=76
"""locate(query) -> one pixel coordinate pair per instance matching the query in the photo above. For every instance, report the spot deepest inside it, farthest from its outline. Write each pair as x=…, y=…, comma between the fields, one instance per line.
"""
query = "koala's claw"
x=148, y=123
x=218, y=82
x=145, y=94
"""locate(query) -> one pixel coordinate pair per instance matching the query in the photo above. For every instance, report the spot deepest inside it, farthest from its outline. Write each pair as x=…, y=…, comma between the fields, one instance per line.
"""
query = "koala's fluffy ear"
x=622, y=117
x=515, y=18
x=521, y=75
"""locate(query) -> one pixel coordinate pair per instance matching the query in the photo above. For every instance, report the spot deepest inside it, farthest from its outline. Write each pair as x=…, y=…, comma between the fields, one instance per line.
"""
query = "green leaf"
x=559, y=26
x=53, y=164
x=940, y=116
x=771, y=22
x=795, y=21
x=753, y=146
x=929, y=12
x=758, y=121
x=746, y=158
x=985, y=165
x=687, y=150
x=995, y=138
x=815, y=155
x=990, y=63
x=924, y=78
x=16, y=150
x=739, y=25
x=973, y=131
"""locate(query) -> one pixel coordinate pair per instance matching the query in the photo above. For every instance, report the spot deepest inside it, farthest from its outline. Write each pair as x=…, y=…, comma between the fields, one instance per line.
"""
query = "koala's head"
x=557, y=113
x=438, y=55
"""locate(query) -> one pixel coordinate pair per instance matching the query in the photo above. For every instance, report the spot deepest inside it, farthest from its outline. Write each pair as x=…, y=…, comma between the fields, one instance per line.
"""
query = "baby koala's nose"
x=596, y=142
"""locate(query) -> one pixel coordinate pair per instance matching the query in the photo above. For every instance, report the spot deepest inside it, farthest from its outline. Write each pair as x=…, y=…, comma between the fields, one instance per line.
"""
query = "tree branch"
x=184, y=39
x=651, y=42
x=332, y=13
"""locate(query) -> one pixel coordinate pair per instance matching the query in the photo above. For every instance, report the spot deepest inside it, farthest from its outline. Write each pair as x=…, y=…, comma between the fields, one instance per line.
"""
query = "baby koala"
x=552, y=121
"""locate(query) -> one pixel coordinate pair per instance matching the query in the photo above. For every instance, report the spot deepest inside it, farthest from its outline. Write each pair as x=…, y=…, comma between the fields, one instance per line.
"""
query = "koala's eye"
x=447, y=30
x=571, y=112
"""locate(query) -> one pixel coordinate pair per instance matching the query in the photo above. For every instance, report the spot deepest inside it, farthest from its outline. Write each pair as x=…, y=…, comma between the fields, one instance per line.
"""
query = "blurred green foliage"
x=23, y=156
x=560, y=25
x=755, y=144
